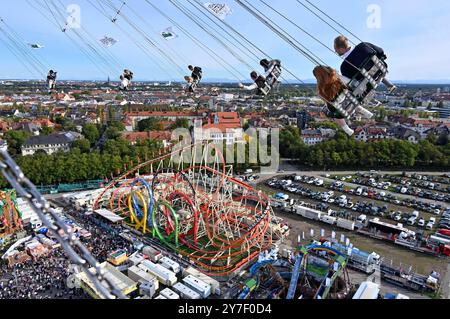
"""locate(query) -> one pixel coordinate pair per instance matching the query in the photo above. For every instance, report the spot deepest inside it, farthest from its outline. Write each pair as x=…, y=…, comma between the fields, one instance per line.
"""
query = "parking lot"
x=422, y=188
x=350, y=203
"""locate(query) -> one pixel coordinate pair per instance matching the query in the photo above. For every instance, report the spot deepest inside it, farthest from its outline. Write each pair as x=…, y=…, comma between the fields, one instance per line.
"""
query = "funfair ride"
x=189, y=201
x=10, y=216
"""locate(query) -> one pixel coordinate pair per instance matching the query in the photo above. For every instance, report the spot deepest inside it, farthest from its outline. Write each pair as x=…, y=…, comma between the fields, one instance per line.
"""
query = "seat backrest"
x=266, y=89
x=276, y=72
x=362, y=85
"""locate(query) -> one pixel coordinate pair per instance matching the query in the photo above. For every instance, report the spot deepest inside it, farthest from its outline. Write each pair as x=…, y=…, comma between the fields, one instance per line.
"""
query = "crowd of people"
x=46, y=278
x=104, y=236
x=41, y=279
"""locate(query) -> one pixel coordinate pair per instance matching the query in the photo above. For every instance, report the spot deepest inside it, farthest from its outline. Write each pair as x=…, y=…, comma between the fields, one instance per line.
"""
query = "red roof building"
x=221, y=127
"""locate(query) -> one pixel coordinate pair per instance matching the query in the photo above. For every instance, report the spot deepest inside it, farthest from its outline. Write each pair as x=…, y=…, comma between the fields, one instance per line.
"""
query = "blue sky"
x=413, y=33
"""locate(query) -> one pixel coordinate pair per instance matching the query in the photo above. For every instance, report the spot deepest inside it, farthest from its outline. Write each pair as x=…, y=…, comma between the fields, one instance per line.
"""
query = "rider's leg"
x=364, y=112
x=343, y=124
x=390, y=86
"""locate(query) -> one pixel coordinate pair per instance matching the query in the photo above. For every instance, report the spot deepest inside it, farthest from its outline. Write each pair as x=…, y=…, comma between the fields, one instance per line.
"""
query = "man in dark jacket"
x=260, y=83
x=197, y=73
x=271, y=65
x=51, y=80
x=354, y=58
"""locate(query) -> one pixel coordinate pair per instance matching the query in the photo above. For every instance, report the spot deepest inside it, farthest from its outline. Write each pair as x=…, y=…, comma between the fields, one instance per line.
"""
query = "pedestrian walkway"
x=445, y=284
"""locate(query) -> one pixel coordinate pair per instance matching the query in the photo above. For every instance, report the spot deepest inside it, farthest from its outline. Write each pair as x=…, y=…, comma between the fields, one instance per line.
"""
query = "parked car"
x=444, y=227
x=319, y=182
x=431, y=223
x=412, y=221
x=362, y=218
x=421, y=222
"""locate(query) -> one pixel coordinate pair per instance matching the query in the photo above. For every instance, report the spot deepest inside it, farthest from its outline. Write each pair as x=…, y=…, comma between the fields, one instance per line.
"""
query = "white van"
x=430, y=225
x=362, y=219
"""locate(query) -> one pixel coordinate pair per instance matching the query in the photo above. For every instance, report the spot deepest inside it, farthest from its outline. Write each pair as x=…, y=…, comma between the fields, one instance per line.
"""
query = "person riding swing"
x=264, y=83
x=126, y=79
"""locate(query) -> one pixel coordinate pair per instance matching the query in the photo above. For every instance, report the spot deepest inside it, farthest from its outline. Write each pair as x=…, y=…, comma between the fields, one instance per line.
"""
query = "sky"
x=413, y=33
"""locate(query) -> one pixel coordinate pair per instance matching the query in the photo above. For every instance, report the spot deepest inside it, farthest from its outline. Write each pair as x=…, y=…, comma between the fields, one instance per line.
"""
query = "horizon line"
x=219, y=81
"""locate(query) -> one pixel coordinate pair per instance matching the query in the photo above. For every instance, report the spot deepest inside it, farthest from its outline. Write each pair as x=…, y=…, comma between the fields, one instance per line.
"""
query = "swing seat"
x=364, y=84
x=361, y=89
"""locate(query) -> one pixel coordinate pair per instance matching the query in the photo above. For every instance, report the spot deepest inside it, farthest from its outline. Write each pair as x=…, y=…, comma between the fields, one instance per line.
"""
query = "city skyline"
x=410, y=32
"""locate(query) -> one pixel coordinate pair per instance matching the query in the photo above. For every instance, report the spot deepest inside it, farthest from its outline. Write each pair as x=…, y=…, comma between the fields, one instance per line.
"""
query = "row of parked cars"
x=421, y=188
x=413, y=219
x=310, y=180
x=326, y=199
x=405, y=181
x=430, y=178
x=381, y=196
x=431, y=208
x=248, y=178
x=362, y=207
x=405, y=188
x=444, y=223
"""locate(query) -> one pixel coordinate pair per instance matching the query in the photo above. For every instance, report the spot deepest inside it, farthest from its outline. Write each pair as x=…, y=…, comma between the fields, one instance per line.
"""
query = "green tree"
x=67, y=124
x=326, y=124
x=91, y=133
x=290, y=142
x=15, y=140
x=119, y=147
x=84, y=145
x=150, y=124
x=432, y=139
x=112, y=133
x=118, y=125
x=180, y=123
x=47, y=130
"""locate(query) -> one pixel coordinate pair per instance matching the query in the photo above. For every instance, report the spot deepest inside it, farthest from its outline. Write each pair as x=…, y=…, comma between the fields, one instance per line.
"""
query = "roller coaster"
x=296, y=277
x=189, y=201
x=10, y=216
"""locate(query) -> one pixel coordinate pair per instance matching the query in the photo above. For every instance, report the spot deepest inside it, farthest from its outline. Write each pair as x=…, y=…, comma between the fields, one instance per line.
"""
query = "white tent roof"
x=109, y=215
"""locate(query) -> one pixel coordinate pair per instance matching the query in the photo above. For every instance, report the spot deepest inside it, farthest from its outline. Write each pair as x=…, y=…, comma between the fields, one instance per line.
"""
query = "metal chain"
x=74, y=249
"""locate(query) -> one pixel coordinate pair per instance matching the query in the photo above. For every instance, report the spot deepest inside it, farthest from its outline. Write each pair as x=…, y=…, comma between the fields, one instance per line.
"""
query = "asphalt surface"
x=445, y=284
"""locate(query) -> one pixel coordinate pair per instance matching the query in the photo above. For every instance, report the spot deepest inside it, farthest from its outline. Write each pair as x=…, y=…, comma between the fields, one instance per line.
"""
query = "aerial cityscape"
x=242, y=150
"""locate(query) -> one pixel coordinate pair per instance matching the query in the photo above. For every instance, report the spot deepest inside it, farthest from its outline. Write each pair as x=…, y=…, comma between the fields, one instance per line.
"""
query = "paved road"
x=445, y=284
